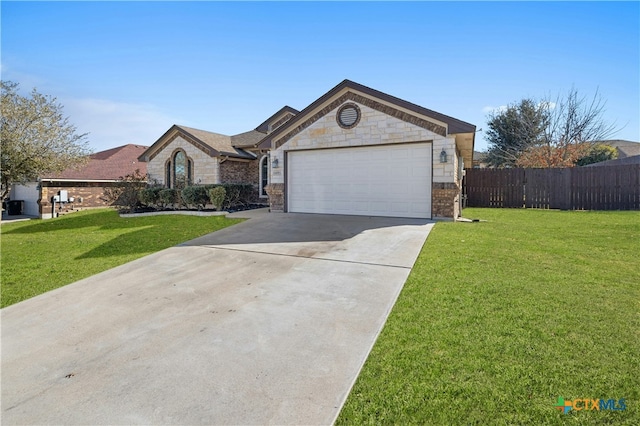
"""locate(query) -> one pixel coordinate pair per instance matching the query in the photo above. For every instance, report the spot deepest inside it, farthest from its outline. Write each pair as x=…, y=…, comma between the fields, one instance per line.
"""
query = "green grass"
x=41, y=255
x=498, y=319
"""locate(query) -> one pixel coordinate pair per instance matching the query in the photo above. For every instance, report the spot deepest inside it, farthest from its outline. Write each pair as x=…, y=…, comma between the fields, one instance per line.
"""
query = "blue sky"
x=127, y=71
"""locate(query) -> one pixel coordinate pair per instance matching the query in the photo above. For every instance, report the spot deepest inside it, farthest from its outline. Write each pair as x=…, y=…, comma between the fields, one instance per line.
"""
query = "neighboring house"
x=354, y=150
x=84, y=186
x=480, y=160
x=625, y=148
x=628, y=153
x=635, y=159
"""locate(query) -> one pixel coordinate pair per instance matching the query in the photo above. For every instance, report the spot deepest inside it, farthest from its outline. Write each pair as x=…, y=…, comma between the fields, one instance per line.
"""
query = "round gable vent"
x=348, y=116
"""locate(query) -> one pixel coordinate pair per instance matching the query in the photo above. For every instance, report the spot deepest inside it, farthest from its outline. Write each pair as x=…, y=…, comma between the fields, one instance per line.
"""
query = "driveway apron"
x=266, y=322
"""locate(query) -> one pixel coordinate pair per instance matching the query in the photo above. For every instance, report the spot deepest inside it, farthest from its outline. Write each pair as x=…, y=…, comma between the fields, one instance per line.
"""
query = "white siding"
x=30, y=194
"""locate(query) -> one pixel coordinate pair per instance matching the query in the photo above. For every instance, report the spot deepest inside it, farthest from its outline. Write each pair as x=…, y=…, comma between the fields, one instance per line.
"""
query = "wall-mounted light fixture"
x=443, y=156
x=274, y=163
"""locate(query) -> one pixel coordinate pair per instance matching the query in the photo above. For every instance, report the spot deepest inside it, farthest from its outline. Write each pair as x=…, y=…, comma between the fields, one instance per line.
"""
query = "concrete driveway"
x=265, y=322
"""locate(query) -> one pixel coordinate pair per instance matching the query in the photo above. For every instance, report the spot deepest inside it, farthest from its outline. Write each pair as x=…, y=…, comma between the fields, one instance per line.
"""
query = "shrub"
x=195, y=195
x=125, y=193
x=168, y=197
x=238, y=194
x=217, y=196
x=151, y=196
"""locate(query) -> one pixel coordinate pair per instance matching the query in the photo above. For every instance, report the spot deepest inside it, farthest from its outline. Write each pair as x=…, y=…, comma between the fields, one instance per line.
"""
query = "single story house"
x=480, y=160
x=83, y=187
x=354, y=151
x=628, y=153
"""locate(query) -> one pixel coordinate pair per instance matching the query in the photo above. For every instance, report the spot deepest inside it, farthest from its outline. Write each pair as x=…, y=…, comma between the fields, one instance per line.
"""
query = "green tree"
x=597, y=153
x=35, y=138
x=514, y=130
x=547, y=133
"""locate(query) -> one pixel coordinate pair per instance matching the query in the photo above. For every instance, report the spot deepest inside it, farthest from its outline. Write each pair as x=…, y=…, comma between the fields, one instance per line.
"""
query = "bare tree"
x=572, y=125
x=35, y=138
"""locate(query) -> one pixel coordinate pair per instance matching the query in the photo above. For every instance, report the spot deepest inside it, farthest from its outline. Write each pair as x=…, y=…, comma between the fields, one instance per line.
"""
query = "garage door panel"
x=379, y=181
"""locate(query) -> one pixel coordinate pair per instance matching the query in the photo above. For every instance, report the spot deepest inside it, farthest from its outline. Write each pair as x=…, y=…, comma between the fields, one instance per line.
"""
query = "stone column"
x=275, y=191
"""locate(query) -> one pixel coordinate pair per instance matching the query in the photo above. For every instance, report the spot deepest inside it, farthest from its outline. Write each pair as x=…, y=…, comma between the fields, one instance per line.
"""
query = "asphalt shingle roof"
x=246, y=139
x=217, y=141
x=625, y=148
x=106, y=165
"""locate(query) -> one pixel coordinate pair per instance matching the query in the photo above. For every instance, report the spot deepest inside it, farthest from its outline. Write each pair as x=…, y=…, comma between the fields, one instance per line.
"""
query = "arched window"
x=179, y=169
x=264, y=175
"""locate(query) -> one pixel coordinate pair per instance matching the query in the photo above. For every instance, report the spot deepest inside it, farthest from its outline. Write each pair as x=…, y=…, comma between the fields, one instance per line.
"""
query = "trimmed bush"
x=236, y=194
x=168, y=197
x=217, y=196
x=195, y=195
x=151, y=196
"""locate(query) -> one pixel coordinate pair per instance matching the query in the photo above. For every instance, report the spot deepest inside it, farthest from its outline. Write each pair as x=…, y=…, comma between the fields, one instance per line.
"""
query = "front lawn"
x=40, y=255
x=500, y=318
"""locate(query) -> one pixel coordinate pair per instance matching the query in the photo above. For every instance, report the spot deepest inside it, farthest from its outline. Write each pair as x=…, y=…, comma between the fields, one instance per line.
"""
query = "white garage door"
x=389, y=180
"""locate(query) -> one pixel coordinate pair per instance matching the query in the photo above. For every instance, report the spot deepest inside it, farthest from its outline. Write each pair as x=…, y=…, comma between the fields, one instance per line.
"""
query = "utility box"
x=64, y=196
x=15, y=207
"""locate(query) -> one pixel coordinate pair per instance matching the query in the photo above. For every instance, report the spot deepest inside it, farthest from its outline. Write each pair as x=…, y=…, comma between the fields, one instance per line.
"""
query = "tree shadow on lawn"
x=143, y=241
x=106, y=220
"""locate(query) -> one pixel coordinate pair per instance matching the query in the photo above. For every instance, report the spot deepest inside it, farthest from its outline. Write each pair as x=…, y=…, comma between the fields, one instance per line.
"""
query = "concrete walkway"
x=266, y=322
x=15, y=218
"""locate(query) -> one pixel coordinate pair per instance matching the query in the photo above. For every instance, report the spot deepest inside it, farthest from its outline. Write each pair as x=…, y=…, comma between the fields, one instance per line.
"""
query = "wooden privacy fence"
x=577, y=188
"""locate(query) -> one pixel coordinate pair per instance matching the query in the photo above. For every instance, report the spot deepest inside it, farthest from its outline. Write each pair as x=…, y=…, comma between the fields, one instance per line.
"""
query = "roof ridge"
x=348, y=84
x=183, y=127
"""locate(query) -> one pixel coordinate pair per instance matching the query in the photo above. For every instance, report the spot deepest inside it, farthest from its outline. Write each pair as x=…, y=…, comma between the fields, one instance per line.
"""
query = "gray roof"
x=246, y=139
x=220, y=143
x=213, y=144
x=264, y=126
x=635, y=159
x=625, y=148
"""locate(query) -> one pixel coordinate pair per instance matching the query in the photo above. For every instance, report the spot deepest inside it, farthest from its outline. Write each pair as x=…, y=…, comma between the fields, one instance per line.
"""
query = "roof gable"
x=349, y=90
x=212, y=144
x=283, y=115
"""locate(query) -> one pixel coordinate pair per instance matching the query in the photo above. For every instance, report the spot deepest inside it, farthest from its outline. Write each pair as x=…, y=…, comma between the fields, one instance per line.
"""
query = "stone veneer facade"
x=205, y=168
x=375, y=128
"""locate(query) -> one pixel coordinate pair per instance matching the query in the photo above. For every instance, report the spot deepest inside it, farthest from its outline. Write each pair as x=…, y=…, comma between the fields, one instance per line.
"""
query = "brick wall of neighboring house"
x=86, y=195
x=445, y=199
